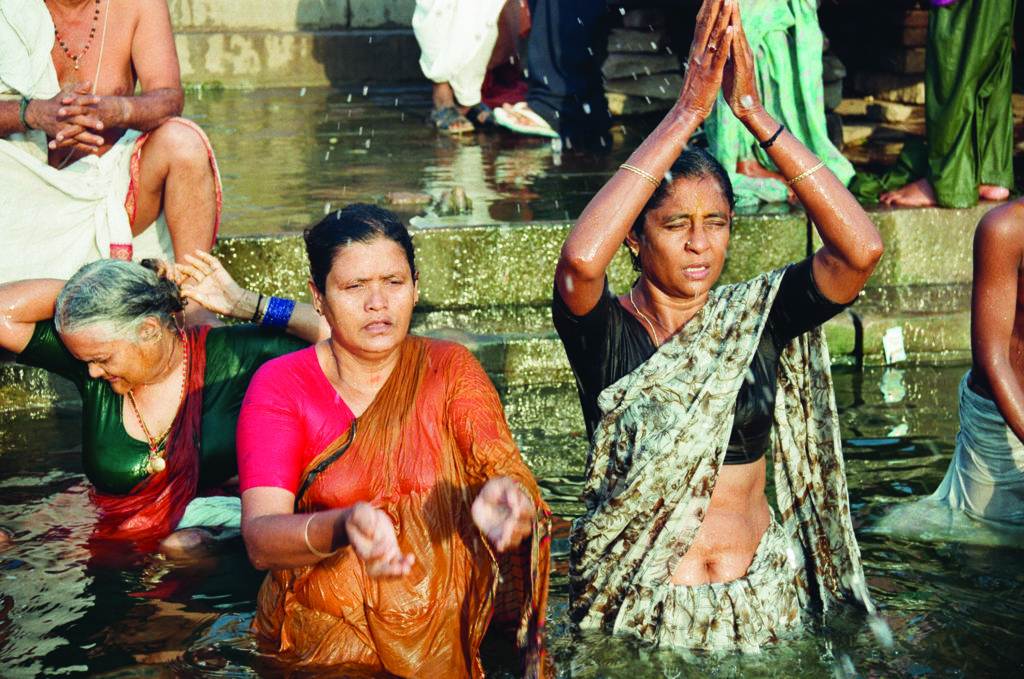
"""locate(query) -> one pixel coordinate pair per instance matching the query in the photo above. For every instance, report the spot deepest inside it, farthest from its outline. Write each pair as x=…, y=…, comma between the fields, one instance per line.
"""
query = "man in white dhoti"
x=985, y=478
x=87, y=164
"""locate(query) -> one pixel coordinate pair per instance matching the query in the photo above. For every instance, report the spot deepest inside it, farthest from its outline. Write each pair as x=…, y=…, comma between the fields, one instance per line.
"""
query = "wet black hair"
x=692, y=163
x=356, y=223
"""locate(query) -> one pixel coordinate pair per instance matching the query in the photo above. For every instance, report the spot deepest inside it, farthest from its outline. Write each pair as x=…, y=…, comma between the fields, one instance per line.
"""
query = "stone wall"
x=244, y=43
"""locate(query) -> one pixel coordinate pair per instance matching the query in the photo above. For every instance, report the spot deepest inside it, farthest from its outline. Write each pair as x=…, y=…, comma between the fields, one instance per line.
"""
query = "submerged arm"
x=22, y=305
x=997, y=269
x=604, y=223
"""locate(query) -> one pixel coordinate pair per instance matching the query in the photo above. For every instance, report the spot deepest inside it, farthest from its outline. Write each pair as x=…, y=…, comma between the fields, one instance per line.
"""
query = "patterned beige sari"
x=653, y=466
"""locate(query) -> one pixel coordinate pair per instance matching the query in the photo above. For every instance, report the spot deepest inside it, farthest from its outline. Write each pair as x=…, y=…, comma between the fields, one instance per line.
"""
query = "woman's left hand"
x=205, y=280
x=739, y=81
x=503, y=512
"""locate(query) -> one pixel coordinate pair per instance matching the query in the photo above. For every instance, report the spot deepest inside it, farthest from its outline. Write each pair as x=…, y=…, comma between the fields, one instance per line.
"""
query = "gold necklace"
x=642, y=315
x=155, y=462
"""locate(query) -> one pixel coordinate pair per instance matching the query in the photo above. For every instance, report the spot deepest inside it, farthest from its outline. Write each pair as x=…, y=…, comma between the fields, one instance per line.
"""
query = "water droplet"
x=370, y=41
x=586, y=108
x=366, y=89
x=327, y=156
x=327, y=207
x=880, y=628
x=360, y=130
x=654, y=45
x=622, y=11
x=368, y=143
x=348, y=99
x=747, y=100
x=568, y=283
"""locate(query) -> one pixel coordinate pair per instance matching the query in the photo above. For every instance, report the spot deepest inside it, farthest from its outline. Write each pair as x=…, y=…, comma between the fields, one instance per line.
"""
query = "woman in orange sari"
x=381, y=485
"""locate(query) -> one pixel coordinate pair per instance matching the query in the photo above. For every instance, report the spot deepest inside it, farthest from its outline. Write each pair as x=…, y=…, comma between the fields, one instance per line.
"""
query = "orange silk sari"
x=433, y=436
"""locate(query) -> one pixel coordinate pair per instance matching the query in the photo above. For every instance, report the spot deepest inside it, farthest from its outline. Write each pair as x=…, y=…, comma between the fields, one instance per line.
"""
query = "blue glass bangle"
x=278, y=313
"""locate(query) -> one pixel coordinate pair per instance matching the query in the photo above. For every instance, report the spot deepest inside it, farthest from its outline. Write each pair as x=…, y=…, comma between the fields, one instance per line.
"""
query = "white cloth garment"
x=54, y=221
x=981, y=498
x=456, y=39
x=985, y=478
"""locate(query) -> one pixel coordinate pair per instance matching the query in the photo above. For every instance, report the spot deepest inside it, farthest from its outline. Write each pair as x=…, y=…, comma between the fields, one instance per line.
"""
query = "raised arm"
x=998, y=261
x=851, y=245
x=604, y=223
x=204, y=280
x=22, y=305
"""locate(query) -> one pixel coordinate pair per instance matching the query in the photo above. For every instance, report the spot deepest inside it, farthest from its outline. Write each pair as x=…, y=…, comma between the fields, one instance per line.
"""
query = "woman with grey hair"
x=160, y=401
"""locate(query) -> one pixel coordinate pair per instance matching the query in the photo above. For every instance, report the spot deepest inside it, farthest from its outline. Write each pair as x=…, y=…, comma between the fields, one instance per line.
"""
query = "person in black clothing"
x=673, y=207
x=567, y=44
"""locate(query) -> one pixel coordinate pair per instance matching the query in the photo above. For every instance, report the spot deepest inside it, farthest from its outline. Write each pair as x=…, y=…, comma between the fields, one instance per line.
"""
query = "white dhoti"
x=981, y=497
x=985, y=478
x=456, y=39
x=53, y=221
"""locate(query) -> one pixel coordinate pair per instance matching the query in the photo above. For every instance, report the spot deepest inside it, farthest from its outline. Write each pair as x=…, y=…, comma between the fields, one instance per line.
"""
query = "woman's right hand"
x=372, y=536
x=709, y=52
x=739, y=84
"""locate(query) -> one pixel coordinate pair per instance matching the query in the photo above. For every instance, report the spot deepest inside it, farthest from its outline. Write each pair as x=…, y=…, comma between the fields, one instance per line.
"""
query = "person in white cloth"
x=459, y=40
x=984, y=483
x=88, y=163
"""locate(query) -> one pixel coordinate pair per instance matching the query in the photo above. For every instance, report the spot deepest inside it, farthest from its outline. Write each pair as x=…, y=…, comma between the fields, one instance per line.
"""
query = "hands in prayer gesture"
x=372, y=536
x=720, y=59
x=504, y=513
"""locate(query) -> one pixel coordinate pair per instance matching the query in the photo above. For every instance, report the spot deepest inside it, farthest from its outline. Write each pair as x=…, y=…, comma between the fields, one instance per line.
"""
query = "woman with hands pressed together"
x=685, y=388
x=380, y=482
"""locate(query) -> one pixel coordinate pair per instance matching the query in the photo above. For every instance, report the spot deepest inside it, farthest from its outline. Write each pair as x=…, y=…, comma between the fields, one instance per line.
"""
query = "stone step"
x=532, y=358
x=288, y=15
x=249, y=59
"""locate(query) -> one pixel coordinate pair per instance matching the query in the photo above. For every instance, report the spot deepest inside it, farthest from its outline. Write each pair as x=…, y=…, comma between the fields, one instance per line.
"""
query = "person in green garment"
x=787, y=42
x=159, y=401
x=968, y=151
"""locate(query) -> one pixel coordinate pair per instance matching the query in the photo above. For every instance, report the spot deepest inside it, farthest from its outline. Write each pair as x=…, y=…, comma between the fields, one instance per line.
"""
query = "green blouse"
x=115, y=462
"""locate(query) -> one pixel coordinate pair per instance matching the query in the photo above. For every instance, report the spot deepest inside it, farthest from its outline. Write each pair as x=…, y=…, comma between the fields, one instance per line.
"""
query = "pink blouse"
x=290, y=414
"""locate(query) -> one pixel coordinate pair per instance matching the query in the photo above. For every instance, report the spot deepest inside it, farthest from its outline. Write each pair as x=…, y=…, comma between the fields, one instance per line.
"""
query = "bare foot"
x=187, y=543
x=915, y=194
x=992, y=192
x=752, y=168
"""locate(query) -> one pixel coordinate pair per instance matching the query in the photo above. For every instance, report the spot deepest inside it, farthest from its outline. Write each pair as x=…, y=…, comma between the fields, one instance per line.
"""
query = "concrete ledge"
x=489, y=287
x=289, y=15
x=248, y=59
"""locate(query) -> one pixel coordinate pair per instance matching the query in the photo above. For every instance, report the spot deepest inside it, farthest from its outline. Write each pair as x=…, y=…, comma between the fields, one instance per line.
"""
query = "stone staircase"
x=489, y=287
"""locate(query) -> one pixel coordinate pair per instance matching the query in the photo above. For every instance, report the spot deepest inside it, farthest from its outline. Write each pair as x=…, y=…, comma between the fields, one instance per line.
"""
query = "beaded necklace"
x=88, y=43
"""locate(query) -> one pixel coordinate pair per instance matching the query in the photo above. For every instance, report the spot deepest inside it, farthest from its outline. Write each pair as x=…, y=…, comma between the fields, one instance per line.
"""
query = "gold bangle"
x=309, y=545
x=637, y=171
x=804, y=175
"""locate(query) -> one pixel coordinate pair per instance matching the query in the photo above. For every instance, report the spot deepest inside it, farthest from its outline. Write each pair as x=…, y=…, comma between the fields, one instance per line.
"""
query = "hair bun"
x=170, y=289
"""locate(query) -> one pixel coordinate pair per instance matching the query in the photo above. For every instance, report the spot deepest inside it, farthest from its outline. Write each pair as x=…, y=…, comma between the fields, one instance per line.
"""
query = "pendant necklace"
x=88, y=43
x=156, y=461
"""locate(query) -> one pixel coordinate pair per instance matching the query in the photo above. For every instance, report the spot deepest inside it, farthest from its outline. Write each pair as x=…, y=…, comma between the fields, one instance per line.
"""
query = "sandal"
x=538, y=126
x=446, y=118
x=481, y=116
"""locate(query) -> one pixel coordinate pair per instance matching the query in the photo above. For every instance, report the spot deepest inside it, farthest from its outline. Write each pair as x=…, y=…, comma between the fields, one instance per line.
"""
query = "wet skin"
x=683, y=246
x=997, y=312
